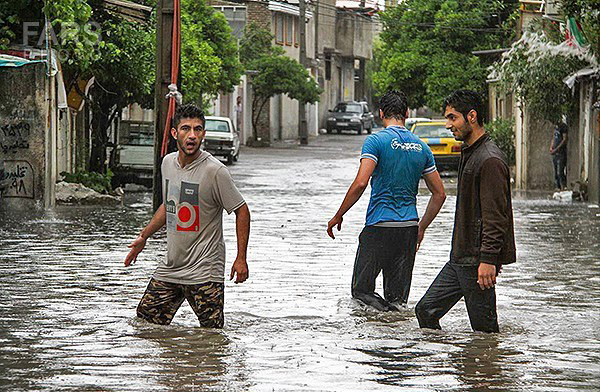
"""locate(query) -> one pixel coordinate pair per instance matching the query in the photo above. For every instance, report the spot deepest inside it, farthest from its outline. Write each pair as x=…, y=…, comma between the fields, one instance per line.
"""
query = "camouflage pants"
x=161, y=301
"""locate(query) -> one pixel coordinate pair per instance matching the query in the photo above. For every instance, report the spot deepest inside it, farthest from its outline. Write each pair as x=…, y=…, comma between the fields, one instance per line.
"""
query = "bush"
x=502, y=133
x=96, y=181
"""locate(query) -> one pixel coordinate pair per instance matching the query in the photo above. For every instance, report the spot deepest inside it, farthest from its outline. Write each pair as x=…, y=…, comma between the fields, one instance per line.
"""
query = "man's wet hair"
x=394, y=104
x=464, y=101
x=188, y=111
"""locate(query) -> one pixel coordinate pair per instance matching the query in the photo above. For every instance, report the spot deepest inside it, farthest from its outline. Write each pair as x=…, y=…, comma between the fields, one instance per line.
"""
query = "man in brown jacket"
x=483, y=236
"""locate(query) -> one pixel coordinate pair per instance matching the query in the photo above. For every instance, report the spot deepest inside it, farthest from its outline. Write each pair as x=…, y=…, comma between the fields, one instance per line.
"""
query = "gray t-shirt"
x=194, y=197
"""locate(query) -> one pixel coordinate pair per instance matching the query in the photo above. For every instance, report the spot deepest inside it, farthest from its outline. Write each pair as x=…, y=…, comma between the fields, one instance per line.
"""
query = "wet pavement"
x=67, y=304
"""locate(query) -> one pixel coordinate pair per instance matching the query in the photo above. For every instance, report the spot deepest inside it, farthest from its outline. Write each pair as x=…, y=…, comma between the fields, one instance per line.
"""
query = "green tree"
x=426, y=46
x=534, y=69
x=209, y=52
x=274, y=73
x=124, y=74
x=75, y=39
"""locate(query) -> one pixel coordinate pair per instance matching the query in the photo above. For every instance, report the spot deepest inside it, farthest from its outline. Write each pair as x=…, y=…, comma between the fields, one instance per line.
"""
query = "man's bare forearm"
x=433, y=208
x=242, y=230
x=158, y=220
x=354, y=193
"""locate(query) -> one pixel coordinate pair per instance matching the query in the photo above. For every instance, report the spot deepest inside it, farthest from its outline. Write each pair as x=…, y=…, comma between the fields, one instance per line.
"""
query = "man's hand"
x=552, y=151
x=420, y=236
x=336, y=220
x=240, y=269
x=136, y=247
x=486, y=276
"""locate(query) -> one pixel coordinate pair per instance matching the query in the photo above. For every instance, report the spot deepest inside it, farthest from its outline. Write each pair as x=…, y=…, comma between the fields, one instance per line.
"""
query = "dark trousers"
x=391, y=249
x=452, y=283
x=560, y=163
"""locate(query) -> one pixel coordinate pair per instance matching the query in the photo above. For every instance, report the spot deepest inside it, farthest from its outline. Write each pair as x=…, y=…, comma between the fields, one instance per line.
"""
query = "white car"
x=222, y=139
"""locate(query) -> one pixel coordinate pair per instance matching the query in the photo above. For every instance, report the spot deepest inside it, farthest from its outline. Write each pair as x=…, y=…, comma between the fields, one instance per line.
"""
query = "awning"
x=14, y=61
x=571, y=79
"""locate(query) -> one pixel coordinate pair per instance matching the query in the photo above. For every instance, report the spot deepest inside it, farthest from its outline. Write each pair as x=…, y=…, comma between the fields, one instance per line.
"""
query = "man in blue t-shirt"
x=394, y=159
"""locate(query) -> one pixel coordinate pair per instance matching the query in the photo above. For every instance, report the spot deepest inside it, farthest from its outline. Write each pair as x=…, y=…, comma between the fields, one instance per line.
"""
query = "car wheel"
x=360, y=130
x=229, y=159
x=370, y=130
x=338, y=130
x=236, y=157
x=328, y=130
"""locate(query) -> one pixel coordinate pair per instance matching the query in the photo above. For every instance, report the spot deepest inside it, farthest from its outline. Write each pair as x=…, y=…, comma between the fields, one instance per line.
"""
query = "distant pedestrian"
x=239, y=114
x=558, y=150
x=483, y=236
x=394, y=159
x=196, y=190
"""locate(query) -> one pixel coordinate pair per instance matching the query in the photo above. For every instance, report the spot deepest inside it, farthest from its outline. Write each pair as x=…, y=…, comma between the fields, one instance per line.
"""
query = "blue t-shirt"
x=401, y=159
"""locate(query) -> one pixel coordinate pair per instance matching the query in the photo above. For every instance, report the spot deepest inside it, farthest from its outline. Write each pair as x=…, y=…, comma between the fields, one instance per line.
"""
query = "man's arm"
x=157, y=221
x=493, y=198
x=438, y=196
x=242, y=230
x=360, y=183
x=562, y=142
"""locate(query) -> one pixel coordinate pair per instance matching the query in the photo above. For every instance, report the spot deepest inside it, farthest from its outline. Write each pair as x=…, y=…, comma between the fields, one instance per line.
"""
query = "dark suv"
x=352, y=116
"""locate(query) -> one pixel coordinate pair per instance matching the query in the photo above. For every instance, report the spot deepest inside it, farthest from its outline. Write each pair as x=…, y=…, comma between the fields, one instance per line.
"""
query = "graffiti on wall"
x=14, y=137
x=18, y=179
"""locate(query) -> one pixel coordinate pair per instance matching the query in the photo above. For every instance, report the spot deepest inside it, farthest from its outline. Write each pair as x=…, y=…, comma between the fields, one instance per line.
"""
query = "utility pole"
x=164, y=30
x=316, y=29
x=302, y=128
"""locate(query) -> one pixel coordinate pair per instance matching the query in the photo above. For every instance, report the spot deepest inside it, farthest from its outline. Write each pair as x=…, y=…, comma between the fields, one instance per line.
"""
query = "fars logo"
x=416, y=147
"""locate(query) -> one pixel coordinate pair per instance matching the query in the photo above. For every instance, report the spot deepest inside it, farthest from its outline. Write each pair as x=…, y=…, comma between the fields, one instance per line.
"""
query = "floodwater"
x=67, y=304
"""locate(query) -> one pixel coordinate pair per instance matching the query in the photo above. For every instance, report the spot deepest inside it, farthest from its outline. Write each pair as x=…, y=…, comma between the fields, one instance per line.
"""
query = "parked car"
x=353, y=116
x=446, y=149
x=134, y=155
x=222, y=139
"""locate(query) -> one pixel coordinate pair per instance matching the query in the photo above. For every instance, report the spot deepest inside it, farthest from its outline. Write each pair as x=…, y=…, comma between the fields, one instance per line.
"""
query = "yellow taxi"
x=446, y=149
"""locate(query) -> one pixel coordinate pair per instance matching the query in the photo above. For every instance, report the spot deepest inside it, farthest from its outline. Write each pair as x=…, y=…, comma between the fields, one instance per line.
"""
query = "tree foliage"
x=426, y=46
x=534, y=69
x=209, y=52
x=274, y=73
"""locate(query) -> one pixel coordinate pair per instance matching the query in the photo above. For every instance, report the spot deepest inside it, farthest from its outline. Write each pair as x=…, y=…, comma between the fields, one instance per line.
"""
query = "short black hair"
x=394, y=104
x=188, y=111
x=464, y=101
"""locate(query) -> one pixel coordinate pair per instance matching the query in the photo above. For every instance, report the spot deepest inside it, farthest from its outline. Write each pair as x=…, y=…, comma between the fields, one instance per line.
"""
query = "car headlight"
x=331, y=119
x=355, y=120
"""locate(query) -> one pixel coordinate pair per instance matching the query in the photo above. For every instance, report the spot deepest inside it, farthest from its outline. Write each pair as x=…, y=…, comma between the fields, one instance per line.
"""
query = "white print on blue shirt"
x=406, y=146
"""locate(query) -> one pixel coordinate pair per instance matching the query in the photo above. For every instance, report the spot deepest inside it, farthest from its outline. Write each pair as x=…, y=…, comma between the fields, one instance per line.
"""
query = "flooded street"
x=67, y=303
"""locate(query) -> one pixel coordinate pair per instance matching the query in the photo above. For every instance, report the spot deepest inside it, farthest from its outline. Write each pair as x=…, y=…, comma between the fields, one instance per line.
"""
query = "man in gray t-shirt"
x=196, y=190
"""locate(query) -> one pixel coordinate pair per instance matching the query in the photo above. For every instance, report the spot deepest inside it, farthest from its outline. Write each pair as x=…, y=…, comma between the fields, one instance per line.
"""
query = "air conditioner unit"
x=551, y=8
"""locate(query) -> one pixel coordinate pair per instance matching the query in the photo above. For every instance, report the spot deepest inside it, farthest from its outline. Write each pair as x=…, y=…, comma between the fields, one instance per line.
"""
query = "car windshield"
x=422, y=130
x=348, y=108
x=216, y=126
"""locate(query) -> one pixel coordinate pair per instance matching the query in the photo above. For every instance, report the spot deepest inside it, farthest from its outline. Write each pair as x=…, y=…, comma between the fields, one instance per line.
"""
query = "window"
x=289, y=30
x=348, y=108
x=296, y=31
x=327, y=66
x=279, y=32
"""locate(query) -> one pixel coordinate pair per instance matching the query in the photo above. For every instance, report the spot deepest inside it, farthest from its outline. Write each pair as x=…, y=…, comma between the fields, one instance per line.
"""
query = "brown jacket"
x=483, y=223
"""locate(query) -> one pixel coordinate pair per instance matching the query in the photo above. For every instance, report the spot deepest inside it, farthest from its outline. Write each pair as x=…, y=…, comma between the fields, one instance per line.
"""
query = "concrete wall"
x=583, y=162
x=540, y=172
x=26, y=145
x=354, y=35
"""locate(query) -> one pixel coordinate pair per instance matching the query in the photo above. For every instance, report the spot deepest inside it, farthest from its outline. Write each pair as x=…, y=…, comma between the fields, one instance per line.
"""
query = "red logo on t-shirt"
x=188, y=216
